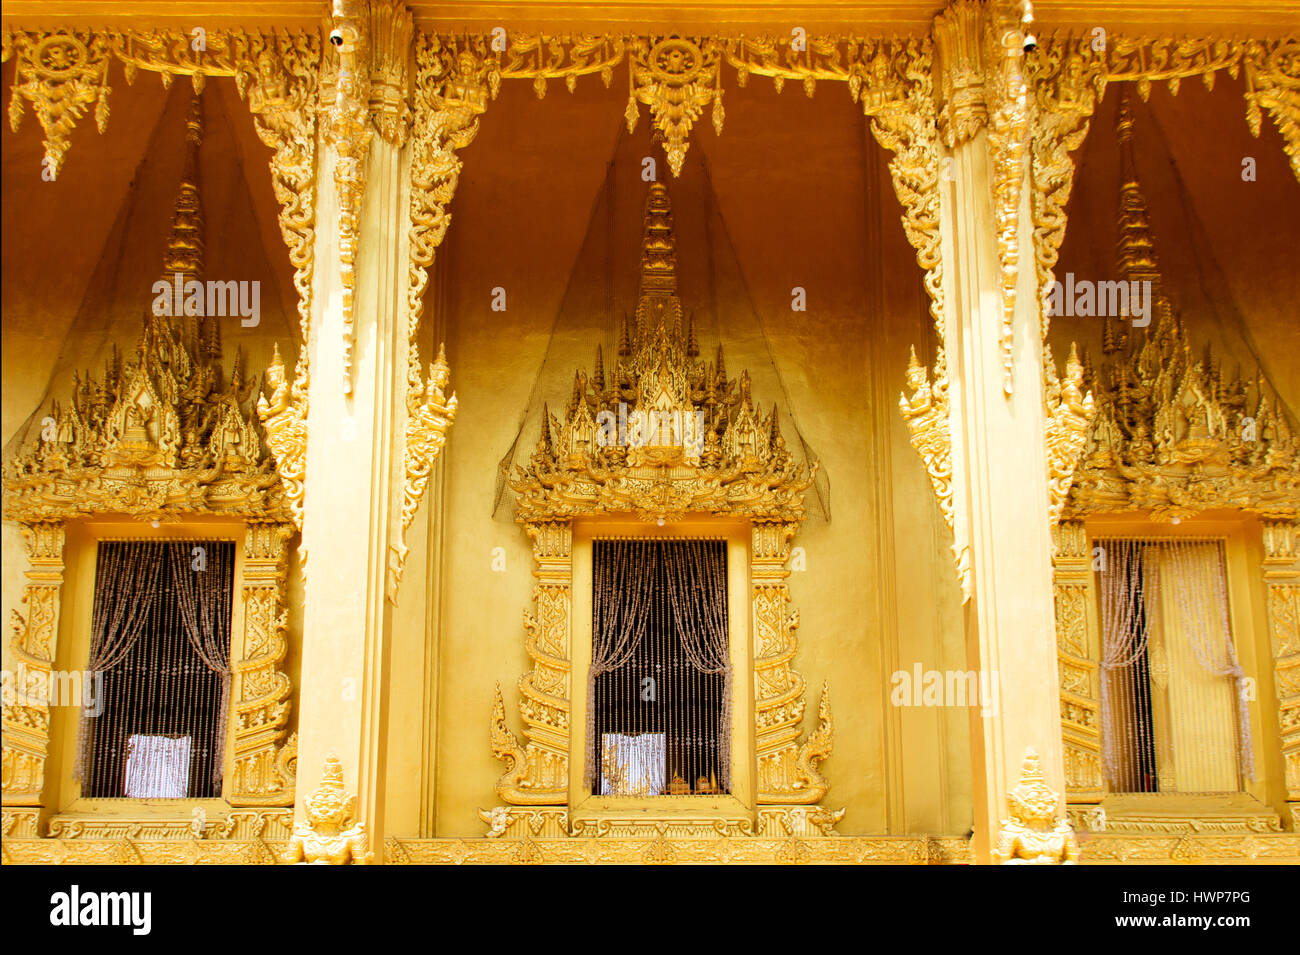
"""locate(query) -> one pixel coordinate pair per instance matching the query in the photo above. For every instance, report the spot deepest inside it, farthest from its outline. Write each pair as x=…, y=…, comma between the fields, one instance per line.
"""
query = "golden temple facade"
x=899, y=463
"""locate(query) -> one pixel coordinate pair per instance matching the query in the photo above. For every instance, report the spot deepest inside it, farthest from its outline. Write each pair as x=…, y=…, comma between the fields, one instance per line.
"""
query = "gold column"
x=998, y=424
x=1282, y=578
x=33, y=646
x=357, y=401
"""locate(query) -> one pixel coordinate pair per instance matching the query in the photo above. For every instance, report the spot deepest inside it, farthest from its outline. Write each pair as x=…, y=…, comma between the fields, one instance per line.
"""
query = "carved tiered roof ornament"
x=666, y=433
x=163, y=432
x=1173, y=434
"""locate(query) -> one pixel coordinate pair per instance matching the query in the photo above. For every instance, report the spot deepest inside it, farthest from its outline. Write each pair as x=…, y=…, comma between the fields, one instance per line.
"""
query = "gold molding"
x=666, y=849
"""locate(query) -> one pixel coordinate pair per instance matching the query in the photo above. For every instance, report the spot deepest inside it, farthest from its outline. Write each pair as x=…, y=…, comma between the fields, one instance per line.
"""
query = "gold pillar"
x=995, y=356
x=357, y=400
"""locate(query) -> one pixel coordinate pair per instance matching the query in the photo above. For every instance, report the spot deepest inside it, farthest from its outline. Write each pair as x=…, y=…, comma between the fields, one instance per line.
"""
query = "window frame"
x=1242, y=536
x=63, y=791
x=740, y=803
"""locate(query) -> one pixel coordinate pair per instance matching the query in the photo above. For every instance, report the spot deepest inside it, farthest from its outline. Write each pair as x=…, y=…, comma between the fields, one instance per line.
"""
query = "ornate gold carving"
x=1008, y=141
x=691, y=442
x=1282, y=578
x=787, y=771
x=1174, y=435
x=668, y=433
x=1080, y=710
x=542, y=58
x=927, y=412
x=278, y=77
x=1068, y=413
x=157, y=437
x=1068, y=80
x=895, y=88
x=1273, y=83
x=431, y=416
x=896, y=93
x=261, y=689
x=275, y=825
x=960, y=49
x=172, y=53
x=33, y=646
x=1034, y=834
x=538, y=773
x=61, y=75
x=348, y=130
x=676, y=78
x=451, y=92
x=330, y=835
x=284, y=416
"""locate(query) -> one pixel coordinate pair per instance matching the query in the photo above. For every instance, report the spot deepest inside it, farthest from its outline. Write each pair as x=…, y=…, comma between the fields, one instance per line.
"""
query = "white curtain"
x=158, y=767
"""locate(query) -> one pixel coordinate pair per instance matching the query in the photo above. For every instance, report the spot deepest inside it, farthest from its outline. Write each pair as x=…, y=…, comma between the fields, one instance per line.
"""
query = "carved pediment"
x=161, y=434
x=666, y=433
x=1174, y=434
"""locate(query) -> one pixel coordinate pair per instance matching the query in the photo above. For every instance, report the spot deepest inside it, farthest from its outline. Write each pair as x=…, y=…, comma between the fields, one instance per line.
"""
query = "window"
x=160, y=643
x=659, y=711
x=1173, y=701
